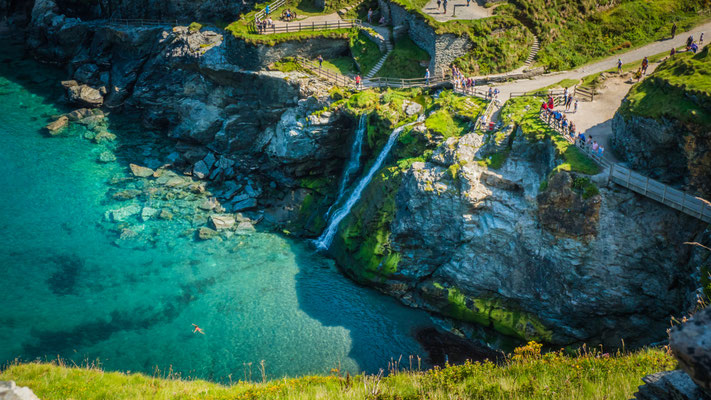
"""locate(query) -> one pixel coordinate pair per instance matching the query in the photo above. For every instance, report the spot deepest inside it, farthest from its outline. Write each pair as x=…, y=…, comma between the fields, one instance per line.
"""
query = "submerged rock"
x=222, y=221
x=127, y=194
x=165, y=214
x=142, y=172
x=206, y=233
x=148, y=213
x=85, y=95
x=107, y=157
x=56, y=127
x=123, y=213
x=245, y=227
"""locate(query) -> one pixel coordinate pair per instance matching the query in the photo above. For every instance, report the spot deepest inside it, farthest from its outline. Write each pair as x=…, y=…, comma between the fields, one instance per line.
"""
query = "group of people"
x=566, y=127
x=288, y=15
x=371, y=13
x=265, y=24
x=443, y=3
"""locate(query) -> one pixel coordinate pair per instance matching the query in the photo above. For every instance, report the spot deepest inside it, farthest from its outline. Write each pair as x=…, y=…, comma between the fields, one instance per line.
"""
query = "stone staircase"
x=376, y=67
x=534, y=50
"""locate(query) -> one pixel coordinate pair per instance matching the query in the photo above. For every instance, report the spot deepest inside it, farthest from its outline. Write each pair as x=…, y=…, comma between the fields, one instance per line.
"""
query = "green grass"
x=523, y=111
x=441, y=122
x=679, y=89
x=288, y=64
x=364, y=51
x=574, y=33
x=525, y=375
x=341, y=65
x=565, y=83
x=593, y=80
x=404, y=61
x=194, y=27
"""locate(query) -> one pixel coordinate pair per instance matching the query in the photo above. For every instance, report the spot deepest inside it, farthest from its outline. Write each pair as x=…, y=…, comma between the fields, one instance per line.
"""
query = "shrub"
x=194, y=27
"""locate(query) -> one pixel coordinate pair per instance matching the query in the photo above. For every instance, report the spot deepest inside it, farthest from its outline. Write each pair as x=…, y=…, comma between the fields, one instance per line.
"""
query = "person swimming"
x=198, y=329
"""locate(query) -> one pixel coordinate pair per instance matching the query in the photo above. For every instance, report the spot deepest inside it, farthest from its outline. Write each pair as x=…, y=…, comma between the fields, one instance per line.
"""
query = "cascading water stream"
x=324, y=241
x=353, y=163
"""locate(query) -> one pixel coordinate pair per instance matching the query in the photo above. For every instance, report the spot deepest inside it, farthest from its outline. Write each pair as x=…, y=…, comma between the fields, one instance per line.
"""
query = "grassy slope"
x=404, y=61
x=365, y=52
x=679, y=89
x=527, y=375
x=577, y=32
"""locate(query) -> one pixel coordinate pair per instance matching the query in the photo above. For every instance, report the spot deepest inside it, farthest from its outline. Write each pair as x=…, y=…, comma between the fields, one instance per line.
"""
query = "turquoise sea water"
x=67, y=290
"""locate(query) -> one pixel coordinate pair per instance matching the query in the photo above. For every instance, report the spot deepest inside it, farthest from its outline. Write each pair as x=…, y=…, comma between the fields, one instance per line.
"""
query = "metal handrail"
x=272, y=7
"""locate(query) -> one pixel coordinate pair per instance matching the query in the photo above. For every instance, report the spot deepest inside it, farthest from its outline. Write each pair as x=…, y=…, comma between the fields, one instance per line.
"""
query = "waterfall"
x=324, y=241
x=353, y=163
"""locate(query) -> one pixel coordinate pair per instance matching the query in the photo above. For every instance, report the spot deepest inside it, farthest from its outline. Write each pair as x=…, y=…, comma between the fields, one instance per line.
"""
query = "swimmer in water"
x=198, y=329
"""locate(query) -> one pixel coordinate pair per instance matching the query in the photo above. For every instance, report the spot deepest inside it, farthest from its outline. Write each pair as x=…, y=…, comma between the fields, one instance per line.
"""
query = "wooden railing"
x=260, y=15
x=406, y=83
x=143, y=22
x=582, y=93
x=646, y=186
x=473, y=91
x=306, y=26
x=338, y=79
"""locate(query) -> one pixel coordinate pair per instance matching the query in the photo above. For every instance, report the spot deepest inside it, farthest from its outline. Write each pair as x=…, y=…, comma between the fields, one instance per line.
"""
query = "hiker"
x=370, y=15
x=551, y=103
x=689, y=41
x=468, y=1
x=575, y=110
x=270, y=22
x=694, y=47
x=439, y=4
x=672, y=52
x=320, y=61
x=673, y=30
x=427, y=76
x=619, y=65
x=568, y=103
x=600, y=151
x=491, y=92
x=595, y=147
x=382, y=20
x=645, y=64
x=444, y=4
x=638, y=74
x=357, y=79
x=266, y=10
x=701, y=39
x=581, y=139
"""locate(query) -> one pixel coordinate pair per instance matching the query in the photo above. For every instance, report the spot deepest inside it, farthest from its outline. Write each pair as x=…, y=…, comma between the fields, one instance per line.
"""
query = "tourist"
x=645, y=64
x=491, y=92
x=468, y=1
x=689, y=41
x=320, y=61
x=581, y=140
x=551, y=103
x=619, y=66
x=694, y=47
x=701, y=39
x=427, y=76
x=358, y=81
x=568, y=103
x=672, y=52
x=266, y=10
x=600, y=151
x=564, y=124
x=270, y=22
x=673, y=30
x=382, y=20
x=370, y=15
x=197, y=328
x=575, y=109
x=595, y=147
x=439, y=4
x=588, y=142
x=444, y=5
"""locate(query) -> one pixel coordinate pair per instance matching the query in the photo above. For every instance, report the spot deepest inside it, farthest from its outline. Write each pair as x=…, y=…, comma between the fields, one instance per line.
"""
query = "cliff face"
x=561, y=264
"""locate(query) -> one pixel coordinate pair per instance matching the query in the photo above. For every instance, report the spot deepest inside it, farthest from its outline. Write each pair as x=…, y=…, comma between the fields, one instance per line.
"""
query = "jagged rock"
x=222, y=221
x=127, y=194
x=85, y=95
x=565, y=212
x=107, y=157
x=87, y=73
x=209, y=160
x=411, y=108
x=201, y=170
x=56, y=127
x=207, y=205
x=10, y=391
x=123, y=213
x=128, y=234
x=142, y=172
x=207, y=233
x=245, y=204
x=148, y=213
x=80, y=114
x=69, y=84
x=245, y=227
x=666, y=385
x=691, y=344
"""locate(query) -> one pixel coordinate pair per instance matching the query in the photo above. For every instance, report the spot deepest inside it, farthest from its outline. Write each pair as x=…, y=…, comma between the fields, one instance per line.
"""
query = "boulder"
x=165, y=214
x=56, y=127
x=691, y=344
x=244, y=204
x=222, y=221
x=201, y=170
x=669, y=385
x=69, y=84
x=206, y=233
x=85, y=95
x=10, y=391
x=411, y=108
x=104, y=136
x=127, y=194
x=245, y=227
x=79, y=114
x=142, y=172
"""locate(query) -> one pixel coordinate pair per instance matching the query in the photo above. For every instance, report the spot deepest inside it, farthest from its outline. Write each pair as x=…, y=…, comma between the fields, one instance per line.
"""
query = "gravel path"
x=458, y=10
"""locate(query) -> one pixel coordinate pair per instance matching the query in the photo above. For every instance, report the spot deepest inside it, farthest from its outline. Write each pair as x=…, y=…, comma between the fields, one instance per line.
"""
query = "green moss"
x=340, y=65
x=405, y=61
x=194, y=27
x=496, y=160
x=287, y=64
x=363, y=101
x=585, y=186
x=494, y=313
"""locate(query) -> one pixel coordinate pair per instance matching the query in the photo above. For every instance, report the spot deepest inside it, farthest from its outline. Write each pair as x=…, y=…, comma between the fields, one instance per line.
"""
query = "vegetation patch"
x=527, y=374
x=405, y=61
x=288, y=64
x=365, y=52
x=680, y=89
x=194, y=27
x=442, y=123
x=585, y=186
x=341, y=65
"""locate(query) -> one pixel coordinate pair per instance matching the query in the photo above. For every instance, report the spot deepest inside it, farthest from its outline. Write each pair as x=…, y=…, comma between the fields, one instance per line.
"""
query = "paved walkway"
x=458, y=10
x=318, y=19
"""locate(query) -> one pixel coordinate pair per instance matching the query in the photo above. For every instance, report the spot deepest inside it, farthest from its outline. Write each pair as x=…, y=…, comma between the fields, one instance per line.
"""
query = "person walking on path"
x=320, y=61
x=619, y=65
x=468, y=1
x=427, y=76
x=569, y=103
x=266, y=10
x=358, y=80
x=444, y=4
x=673, y=31
x=370, y=15
x=645, y=64
x=701, y=39
x=439, y=4
x=575, y=110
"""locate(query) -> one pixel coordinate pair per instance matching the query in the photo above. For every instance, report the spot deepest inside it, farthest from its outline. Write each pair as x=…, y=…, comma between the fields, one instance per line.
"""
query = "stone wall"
x=443, y=49
x=255, y=57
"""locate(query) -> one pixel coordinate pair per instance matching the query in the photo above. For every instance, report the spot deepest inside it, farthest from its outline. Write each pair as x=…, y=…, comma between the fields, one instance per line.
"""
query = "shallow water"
x=68, y=290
